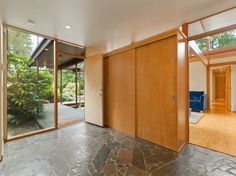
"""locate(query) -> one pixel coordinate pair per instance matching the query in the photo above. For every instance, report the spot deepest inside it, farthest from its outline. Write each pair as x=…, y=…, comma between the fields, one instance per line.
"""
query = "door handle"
x=100, y=93
x=173, y=98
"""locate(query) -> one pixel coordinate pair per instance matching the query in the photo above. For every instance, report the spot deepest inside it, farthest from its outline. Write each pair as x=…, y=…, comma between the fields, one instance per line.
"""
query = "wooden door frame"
x=6, y=138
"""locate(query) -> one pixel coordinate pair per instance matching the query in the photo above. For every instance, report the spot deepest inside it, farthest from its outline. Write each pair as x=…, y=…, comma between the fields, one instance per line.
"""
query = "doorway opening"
x=212, y=78
x=70, y=79
x=71, y=84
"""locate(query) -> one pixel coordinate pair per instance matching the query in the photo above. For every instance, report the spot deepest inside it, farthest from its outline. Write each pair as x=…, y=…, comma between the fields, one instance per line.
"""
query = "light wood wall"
x=228, y=88
x=120, y=91
x=146, y=92
x=182, y=92
x=156, y=92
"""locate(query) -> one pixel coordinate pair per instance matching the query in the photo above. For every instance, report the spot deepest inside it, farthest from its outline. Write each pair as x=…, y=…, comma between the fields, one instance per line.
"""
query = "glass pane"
x=70, y=84
x=30, y=83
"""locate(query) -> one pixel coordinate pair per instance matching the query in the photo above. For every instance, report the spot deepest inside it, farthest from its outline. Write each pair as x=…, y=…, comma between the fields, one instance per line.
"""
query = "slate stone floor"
x=86, y=150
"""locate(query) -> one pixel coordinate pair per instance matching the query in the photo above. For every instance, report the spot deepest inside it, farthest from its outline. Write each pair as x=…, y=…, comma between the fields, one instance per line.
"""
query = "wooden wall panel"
x=120, y=91
x=156, y=76
x=182, y=93
x=220, y=85
x=228, y=88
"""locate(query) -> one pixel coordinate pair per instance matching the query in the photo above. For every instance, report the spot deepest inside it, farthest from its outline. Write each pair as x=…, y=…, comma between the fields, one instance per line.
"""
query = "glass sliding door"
x=70, y=83
x=30, y=83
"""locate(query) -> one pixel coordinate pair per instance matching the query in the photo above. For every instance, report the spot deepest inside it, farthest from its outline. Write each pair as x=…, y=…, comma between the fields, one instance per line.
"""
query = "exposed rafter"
x=196, y=50
x=71, y=54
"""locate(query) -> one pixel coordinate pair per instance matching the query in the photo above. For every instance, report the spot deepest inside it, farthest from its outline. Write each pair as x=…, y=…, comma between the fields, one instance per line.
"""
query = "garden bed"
x=25, y=127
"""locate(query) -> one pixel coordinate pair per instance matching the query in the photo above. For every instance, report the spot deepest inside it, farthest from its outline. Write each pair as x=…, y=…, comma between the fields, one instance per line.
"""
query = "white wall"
x=233, y=88
x=197, y=76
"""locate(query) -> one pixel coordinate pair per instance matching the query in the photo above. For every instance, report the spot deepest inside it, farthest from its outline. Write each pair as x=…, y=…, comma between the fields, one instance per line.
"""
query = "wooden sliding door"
x=156, y=75
x=120, y=91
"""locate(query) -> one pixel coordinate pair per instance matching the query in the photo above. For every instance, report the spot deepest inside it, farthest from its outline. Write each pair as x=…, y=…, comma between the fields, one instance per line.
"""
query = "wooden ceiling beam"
x=213, y=32
x=222, y=64
x=196, y=50
x=71, y=54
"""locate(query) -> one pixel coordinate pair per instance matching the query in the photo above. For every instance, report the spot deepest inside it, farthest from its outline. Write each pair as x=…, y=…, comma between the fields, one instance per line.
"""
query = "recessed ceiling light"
x=46, y=49
x=68, y=27
x=31, y=22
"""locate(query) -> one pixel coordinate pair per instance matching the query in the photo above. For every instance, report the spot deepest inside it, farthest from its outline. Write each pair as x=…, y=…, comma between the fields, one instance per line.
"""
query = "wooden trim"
x=42, y=35
x=55, y=84
x=220, y=50
x=5, y=69
x=213, y=32
x=217, y=13
x=28, y=31
x=208, y=89
x=62, y=124
x=71, y=44
x=71, y=54
x=217, y=53
x=185, y=30
x=29, y=134
x=143, y=42
x=1, y=93
x=222, y=64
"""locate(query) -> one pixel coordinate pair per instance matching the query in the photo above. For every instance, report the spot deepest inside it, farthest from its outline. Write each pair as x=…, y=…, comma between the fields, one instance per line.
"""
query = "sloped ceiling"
x=106, y=24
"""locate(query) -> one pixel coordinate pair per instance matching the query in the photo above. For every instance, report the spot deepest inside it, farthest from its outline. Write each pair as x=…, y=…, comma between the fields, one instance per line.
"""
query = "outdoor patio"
x=65, y=114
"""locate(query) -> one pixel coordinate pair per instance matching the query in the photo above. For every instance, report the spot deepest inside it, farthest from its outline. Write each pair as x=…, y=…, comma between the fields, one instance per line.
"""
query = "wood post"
x=61, y=85
x=55, y=84
x=76, y=85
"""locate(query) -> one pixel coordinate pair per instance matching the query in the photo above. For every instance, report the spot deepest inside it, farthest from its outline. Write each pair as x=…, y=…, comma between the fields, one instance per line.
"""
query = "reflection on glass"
x=70, y=84
x=30, y=83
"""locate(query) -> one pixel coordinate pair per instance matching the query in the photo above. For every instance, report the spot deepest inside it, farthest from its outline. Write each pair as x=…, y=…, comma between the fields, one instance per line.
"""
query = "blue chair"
x=198, y=100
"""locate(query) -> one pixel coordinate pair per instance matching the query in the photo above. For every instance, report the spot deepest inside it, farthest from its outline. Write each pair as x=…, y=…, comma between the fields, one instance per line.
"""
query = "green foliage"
x=19, y=43
x=25, y=93
x=201, y=43
x=69, y=92
x=45, y=83
x=221, y=40
x=68, y=85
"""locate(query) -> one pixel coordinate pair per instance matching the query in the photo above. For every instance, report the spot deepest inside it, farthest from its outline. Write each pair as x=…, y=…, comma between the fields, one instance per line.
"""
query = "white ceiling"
x=106, y=24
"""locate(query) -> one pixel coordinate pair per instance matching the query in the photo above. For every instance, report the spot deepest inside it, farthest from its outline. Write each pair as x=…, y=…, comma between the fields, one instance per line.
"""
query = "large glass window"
x=30, y=84
x=222, y=40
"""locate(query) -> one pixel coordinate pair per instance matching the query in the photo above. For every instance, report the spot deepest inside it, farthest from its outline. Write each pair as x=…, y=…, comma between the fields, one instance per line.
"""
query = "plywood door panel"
x=94, y=90
x=220, y=85
x=156, y=92
x=228, y=88
x=182, y=93
x=120, y=91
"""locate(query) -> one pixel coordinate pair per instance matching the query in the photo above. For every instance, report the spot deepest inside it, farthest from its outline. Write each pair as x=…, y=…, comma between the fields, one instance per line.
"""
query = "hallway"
x=216, y=131
x=84, y=149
